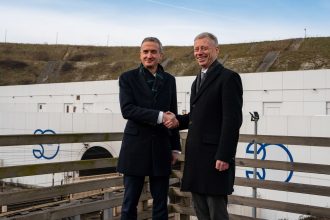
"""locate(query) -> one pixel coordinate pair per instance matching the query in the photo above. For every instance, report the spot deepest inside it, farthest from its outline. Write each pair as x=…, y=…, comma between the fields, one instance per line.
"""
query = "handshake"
x=169, y=120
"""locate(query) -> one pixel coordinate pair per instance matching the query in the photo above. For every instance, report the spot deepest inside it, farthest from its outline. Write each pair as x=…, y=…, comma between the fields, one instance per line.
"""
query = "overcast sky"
x=174, y=22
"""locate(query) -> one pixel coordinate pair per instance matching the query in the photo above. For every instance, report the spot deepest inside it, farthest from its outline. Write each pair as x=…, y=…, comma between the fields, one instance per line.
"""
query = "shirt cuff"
x=176, y=151
x=160, y=117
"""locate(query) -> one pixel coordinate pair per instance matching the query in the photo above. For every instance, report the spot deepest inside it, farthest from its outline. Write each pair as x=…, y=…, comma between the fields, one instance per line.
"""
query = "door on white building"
x=88, y=107
x=272, y=108
x=69, y=108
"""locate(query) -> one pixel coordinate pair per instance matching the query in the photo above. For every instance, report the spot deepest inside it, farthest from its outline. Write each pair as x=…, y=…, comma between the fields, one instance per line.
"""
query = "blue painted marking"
x=262, y=149
x=249, y=173
x=40, y=153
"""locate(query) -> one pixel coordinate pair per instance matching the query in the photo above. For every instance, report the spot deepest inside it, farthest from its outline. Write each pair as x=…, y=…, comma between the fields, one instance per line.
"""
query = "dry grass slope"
x=31, y=63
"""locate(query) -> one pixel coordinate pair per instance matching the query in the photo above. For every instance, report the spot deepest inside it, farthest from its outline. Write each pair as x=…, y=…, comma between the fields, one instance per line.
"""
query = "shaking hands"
x=169, y=120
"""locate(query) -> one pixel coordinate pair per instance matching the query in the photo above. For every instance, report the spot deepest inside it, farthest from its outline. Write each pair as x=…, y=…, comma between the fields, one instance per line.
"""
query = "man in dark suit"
x=214, y=121
x=148, y=147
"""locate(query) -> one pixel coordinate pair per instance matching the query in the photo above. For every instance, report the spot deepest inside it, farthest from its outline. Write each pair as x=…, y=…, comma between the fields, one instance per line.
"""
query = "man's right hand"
x=169, y=120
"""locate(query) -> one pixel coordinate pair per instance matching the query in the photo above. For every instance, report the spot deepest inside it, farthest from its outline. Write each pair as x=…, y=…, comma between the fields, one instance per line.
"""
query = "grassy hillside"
x=29, y=64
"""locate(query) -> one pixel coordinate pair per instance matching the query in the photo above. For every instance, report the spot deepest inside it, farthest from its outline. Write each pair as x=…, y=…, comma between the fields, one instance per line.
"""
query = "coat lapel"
x=212, y=73
x=161, y=81
x=143, y=86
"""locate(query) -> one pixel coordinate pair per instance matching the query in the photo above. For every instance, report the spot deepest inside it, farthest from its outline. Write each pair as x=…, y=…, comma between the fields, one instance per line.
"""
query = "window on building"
x=41, y=107
x=328, y=108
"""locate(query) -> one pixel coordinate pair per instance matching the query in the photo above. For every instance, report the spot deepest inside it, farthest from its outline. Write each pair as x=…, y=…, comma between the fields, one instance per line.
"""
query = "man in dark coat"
x=148, y=147
x=214, y=121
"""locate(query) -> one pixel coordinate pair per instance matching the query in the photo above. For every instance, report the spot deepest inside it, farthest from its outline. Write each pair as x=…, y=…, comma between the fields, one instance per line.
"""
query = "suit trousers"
x=210, y=207
x=159, y=191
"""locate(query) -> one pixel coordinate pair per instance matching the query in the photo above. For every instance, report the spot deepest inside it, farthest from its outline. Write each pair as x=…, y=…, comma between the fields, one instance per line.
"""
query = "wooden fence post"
x=184, y=201
x=145, y=202
x=107, y=213
x=77, y=217
x=4, y=209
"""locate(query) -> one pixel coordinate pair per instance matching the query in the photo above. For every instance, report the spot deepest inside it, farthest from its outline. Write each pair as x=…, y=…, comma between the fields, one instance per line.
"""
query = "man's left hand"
x=175, y=155
x=221, y=165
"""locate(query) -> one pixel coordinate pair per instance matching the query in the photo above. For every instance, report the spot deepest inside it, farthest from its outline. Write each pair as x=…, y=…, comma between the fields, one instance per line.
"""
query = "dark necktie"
x=203, y=76
x=200, y=80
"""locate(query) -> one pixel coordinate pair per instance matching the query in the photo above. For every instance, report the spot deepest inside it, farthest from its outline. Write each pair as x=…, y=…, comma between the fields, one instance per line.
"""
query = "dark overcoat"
x=147, y=146
x=213, y=122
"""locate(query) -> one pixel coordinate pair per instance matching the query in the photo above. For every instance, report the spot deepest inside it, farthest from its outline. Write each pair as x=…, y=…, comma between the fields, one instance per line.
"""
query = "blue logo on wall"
x=262, y=149
x=40, y=153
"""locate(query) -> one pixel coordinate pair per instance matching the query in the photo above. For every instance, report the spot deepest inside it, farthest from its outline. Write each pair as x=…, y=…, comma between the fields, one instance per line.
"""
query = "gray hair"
x=155, y=40
x=208, y=35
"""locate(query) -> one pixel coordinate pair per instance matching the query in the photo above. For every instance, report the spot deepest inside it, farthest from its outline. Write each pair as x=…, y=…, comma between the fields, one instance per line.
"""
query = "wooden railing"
x=60, y=202
x=183, y=204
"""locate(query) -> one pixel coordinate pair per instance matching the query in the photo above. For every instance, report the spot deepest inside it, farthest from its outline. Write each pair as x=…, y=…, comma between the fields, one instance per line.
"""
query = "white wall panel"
x=299, y=126
x=300, y=154
x=293, y=80
x=91, y=122
x=292, y=108
x=314, y=79
x=275, y=125
x=249, y=96
x=252, y=81
x=327, y=95
x=55, y=122
x=321, y=155
x=66, y=123
x=272, y=96
x=79, y=123
x=272, y=80
x=311, y=95
x=314, y=108
x=293, y=95
x=42, y=121
x=320, y=126
x=105, y=122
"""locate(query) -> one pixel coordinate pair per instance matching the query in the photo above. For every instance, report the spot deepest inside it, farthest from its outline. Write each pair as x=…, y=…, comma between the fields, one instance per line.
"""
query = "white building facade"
x=294, y=103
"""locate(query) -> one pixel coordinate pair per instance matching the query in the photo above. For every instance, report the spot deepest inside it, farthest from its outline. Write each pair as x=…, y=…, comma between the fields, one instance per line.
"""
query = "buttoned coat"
x=146, y=146
x=213, y=122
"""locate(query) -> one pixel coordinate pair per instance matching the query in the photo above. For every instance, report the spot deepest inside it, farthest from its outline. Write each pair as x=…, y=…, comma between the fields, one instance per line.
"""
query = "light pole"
x=5, y=35
x=56, y=37
x=255, y=118
x=305, y=31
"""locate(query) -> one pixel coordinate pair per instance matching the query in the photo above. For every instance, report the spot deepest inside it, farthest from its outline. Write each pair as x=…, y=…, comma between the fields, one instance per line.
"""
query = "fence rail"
x=111, y=199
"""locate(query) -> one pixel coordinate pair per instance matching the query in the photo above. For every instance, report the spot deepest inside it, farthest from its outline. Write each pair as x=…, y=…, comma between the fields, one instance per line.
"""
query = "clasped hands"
x=169, y=120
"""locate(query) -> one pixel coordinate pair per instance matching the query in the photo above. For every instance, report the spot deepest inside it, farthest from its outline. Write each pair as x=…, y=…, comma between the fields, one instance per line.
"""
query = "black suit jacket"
x=147, y=146
x=213, y=122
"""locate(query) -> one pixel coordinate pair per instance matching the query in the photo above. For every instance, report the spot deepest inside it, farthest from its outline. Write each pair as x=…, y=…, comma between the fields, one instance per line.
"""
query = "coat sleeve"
x=183, y=121
x=232, y=100
x=130, y=109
